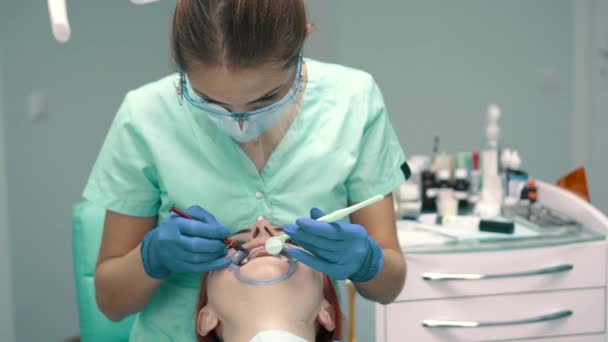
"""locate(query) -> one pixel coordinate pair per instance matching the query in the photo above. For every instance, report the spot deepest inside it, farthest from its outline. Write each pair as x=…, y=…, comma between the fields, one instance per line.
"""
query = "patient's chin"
x=264, y=268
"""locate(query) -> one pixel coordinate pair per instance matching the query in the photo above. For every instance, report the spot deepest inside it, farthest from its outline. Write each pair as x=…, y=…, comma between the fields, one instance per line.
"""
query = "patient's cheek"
x=264, y=268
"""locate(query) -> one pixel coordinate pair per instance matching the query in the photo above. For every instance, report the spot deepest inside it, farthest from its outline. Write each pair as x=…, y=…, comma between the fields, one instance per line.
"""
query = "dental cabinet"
x=542, y=283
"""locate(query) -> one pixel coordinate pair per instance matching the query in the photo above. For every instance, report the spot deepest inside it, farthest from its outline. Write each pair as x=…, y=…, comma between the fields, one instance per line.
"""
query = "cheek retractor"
x=275, y=244
x=238, y=257
x=236, y=270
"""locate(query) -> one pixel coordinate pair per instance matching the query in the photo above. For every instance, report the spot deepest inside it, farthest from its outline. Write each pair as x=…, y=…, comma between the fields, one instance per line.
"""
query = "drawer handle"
x=434, y=323
x=434, y=276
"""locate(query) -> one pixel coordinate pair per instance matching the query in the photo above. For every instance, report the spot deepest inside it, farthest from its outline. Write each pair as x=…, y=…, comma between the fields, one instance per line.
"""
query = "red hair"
x=323, y=335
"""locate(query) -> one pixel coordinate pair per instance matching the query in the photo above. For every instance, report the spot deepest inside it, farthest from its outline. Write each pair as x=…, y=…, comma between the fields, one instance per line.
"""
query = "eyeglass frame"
x=295, y=91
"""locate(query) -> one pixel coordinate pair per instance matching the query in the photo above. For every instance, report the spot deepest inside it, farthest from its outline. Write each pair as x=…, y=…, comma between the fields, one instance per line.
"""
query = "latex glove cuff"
x=371, y=265
x=159, y=272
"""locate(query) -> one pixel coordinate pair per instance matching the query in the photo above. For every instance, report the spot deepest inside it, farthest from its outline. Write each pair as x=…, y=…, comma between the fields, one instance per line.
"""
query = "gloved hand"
x=182, y=245
x=341, y=250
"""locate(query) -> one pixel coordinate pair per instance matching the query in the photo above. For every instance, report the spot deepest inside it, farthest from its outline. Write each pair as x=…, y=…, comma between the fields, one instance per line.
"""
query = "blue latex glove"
x=341, y=250
x=180, y=245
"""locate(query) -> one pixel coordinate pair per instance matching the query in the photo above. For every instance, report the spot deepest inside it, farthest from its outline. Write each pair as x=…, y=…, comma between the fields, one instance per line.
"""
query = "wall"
x=7, y=328
x=321, y=43
x=597, y=122
x=591, y=96
x=115, y=46
x=440, y=63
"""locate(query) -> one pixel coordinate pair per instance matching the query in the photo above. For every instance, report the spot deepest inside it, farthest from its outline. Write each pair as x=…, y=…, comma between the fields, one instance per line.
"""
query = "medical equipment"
x=275, y=244
x=443, y=179
x=493, y=226
x=407, y=199
x=532, y=191
x=447, y=203
x=428, y=190
x=460, y=179
x=492, y=192
x=60, y=24
x=341, y=213
x=241, y=253
x=259, y=251
x=59, y=20
x=475, y=179
x=576, y=182
x=435, y=229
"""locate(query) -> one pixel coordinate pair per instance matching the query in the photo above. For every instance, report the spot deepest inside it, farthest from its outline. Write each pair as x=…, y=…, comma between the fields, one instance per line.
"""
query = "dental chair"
x=87, y=229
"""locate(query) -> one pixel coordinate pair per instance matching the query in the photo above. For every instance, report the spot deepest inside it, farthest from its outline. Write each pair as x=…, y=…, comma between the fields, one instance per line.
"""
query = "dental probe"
x=341, y=213
x=241, y=253
x=275, y=244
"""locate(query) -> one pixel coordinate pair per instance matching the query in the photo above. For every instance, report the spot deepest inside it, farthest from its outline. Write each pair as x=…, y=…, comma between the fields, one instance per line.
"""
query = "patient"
x=304, y=305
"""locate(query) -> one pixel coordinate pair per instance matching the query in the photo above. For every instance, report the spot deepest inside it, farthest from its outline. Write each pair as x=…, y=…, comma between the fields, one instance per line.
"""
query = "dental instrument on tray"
x=241, y=253
x=60, y=24
x=435, y=230
x=275, y=244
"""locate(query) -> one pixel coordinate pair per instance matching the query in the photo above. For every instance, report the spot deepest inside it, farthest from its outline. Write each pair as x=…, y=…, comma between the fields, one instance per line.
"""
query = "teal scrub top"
x=160, y=150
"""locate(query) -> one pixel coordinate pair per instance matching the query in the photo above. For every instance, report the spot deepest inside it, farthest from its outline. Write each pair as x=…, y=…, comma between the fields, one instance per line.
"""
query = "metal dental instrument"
x=275, y=244
x=241, y=253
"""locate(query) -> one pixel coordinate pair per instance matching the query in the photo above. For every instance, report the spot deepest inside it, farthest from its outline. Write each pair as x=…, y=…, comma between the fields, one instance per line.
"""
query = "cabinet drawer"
x=562, y=267
x=501, y=318
x=580, y=338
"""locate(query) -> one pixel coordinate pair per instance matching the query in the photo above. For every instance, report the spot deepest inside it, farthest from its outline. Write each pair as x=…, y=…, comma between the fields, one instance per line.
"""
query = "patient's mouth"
x=262, y=268
x=261, y=252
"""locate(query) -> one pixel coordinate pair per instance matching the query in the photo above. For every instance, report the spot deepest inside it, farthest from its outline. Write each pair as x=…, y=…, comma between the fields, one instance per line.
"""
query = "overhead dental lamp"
x=60, y=24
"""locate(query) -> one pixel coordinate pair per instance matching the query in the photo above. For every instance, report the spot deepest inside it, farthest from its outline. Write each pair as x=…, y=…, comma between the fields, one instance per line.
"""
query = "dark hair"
x=238, y=33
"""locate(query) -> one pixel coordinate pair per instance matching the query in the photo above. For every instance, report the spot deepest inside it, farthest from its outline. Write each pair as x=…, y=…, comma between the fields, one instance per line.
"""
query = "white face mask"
x=276, y=336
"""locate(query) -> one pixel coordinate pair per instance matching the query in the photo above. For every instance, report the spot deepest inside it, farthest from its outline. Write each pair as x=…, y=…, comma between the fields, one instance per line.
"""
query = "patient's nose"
x=262, y=230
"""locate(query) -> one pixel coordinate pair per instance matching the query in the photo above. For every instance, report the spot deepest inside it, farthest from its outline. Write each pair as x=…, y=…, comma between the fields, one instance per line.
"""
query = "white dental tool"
x=275, y=244
x=60, y=24
x=59, y=20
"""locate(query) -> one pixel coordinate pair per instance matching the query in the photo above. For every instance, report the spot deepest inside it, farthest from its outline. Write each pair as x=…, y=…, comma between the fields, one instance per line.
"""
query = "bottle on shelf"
x=475, y=186
x=461, y=187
